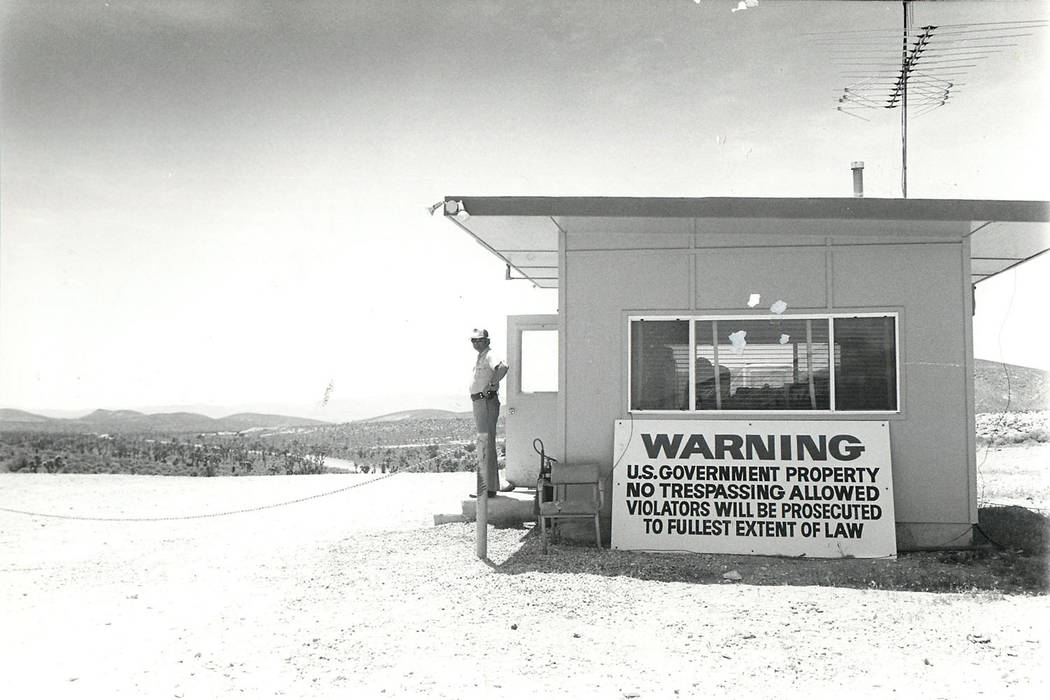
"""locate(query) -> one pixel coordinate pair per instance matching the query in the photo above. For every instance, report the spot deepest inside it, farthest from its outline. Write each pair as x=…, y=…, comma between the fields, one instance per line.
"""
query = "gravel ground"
x=357, y=594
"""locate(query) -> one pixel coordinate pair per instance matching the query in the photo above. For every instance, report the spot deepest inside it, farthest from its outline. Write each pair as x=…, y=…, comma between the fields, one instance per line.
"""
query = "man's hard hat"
x=479, y=334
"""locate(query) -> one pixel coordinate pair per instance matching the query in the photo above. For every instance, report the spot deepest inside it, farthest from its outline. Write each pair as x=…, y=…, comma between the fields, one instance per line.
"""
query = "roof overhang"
x=523, y=232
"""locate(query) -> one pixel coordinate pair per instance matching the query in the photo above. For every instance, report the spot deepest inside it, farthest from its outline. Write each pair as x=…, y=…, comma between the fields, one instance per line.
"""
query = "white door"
x=532, y=394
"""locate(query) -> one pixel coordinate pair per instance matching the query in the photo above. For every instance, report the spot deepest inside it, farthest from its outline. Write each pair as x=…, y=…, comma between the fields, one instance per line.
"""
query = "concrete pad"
x=446, y=518
x=508, y=508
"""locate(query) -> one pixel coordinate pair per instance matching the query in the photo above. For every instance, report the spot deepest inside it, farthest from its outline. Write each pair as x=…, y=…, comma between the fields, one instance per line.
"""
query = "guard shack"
x=757, y=374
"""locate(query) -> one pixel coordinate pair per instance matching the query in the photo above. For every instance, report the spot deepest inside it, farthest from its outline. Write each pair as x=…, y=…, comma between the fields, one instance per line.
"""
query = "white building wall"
x=931, y=442
x=608, y=277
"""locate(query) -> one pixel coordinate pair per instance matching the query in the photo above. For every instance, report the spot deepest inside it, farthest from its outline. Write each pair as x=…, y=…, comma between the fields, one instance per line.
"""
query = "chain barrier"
x=253, y=509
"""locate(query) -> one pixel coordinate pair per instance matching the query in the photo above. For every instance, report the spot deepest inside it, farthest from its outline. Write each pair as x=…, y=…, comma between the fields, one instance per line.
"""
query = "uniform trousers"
x=486, y=413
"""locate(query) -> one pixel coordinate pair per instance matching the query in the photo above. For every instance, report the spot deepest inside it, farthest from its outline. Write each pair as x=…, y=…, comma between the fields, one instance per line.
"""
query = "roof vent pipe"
x=858, y=178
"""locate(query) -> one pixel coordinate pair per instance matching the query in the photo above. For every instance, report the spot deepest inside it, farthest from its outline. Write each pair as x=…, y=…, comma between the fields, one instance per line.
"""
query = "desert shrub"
x=1014, y=527
x=427, y=445
x=16, y=464
x=1013, y=427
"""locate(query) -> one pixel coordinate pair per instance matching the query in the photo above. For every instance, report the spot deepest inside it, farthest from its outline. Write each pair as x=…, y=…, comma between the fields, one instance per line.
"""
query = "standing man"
x=484, y=395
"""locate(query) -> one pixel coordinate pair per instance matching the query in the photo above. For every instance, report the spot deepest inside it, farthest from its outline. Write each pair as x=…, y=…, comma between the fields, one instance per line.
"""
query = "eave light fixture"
x=458, y=209
x=452, y=208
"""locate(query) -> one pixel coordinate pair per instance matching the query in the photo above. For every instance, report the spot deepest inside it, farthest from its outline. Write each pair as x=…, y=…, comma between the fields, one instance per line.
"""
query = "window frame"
x=828, y=317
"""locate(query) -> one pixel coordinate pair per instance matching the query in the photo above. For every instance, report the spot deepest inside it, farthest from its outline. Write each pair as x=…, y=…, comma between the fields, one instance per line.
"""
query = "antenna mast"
x=925, y=73
x=906, y=65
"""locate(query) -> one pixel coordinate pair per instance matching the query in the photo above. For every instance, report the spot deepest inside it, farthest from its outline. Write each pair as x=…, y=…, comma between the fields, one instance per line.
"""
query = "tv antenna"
x=922, y=72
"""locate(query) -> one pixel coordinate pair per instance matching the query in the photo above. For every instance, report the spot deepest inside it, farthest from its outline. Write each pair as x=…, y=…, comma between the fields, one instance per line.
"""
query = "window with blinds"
x=865, y=363
x=764, y=363
x=659, y=365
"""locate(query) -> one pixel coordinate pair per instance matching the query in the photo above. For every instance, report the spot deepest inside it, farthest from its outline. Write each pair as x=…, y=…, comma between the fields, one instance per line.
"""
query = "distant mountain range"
x=418, y=414
x=999, y=387
x=103, y=421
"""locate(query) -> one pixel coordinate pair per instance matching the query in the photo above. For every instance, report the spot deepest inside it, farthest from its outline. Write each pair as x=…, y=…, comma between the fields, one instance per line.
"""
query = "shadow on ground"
x=1011, y=558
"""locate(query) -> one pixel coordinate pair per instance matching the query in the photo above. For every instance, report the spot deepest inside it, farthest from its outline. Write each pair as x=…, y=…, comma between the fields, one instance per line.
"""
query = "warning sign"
x=821, y=489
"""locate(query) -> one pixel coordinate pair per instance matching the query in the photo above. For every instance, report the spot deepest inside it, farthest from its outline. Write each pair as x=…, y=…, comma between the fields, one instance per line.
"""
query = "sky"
x=220, y=205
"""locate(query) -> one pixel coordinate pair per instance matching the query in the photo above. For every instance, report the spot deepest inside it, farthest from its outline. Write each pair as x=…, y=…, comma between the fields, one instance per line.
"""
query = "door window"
x=539, y=361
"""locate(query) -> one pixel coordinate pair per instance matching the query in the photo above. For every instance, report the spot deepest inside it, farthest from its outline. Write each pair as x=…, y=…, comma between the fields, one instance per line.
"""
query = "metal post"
x=908, y=14
x=809, y=364
x=482, y=515
x=714, y=355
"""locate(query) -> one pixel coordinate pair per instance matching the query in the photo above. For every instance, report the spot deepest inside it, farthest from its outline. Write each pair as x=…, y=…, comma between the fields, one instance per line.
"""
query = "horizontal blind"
x=775, y=364
x=659, y=365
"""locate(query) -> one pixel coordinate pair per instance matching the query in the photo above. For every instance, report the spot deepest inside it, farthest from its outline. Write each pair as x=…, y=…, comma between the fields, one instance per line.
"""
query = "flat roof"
x=760, y=207
x=523, y=232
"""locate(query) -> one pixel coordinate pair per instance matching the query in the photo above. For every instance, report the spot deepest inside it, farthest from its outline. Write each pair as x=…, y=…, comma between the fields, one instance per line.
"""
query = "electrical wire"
x=626, y=444
x=968, y=531
x=986, y=536
x=1009, y=386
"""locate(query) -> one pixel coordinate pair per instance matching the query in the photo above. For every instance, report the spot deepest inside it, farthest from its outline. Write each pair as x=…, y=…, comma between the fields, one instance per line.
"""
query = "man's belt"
x=483, y=395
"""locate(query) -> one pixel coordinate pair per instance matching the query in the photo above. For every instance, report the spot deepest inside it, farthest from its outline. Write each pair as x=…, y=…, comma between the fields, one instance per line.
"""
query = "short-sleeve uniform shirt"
x=484, y=370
